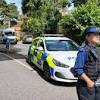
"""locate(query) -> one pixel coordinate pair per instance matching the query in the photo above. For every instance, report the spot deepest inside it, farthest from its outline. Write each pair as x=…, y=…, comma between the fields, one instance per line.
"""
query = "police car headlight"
x=57, y=63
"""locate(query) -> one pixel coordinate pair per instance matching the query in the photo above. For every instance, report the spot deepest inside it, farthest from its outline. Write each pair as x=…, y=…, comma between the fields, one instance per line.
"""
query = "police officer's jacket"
x=92, y=67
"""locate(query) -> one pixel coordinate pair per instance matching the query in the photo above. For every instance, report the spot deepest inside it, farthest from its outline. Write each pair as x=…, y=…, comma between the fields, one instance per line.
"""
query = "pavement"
x=20, y=81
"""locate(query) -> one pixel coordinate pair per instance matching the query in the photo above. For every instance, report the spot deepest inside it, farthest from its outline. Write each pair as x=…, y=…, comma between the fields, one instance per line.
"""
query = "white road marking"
x=19, y=62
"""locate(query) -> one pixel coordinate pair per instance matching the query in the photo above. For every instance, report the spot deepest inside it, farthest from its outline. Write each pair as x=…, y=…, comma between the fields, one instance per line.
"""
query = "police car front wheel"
x=28, y=59
x=46, y=72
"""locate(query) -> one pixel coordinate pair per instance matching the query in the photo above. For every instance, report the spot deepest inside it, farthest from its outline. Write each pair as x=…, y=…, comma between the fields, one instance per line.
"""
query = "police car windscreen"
x=61, y=45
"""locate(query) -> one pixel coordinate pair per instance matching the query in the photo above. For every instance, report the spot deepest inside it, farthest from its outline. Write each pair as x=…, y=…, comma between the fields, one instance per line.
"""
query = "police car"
x=55, y=56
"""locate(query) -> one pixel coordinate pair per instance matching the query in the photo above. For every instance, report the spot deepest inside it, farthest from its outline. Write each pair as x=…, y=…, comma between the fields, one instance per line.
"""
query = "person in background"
x=8, y=44
x=87, y=66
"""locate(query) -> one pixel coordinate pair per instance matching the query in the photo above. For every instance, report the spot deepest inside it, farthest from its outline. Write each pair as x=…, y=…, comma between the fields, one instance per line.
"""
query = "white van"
x=10, y=34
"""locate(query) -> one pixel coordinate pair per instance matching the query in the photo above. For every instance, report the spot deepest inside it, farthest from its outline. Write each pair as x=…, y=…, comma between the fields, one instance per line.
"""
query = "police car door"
x=40, y=49
x=34, y=51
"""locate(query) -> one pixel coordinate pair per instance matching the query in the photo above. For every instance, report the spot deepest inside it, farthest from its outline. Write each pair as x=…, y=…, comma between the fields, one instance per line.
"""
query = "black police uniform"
x=92, y=70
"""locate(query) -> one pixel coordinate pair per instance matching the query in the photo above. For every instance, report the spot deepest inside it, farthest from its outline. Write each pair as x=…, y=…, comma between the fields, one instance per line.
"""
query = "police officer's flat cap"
x=91, y=30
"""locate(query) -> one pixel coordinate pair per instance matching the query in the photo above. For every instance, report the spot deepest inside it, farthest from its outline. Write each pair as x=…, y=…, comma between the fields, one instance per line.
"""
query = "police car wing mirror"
x=40, y=48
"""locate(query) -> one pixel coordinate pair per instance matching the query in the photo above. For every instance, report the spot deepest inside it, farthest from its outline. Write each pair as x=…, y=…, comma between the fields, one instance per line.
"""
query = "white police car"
x=55, y=56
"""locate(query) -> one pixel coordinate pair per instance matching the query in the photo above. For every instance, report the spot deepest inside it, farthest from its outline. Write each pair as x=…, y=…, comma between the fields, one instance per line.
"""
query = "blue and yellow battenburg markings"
x=51, y=71
x=45, y=57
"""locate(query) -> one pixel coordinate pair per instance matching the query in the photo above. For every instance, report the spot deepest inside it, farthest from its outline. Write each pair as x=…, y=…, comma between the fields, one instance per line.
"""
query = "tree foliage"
x=12, y=11
x=25, y=8
x=42, y=15
x=9, y=10
x=2, y=3
x=83, y=16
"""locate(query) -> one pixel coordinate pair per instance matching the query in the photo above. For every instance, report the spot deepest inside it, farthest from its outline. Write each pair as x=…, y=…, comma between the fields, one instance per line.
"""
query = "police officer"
x=87, y=66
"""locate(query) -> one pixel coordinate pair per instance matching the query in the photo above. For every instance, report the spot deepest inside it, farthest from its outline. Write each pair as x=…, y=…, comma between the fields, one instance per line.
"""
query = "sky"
x=17, y=3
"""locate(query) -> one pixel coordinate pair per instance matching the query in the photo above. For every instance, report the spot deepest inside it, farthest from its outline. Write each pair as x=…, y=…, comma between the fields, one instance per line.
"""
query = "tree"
x=43, y=15
x=7, y=12
x=36, y=15
x=12, y=11
x=2, y=3
x=25, y=8
x=3, y=6
x=83, y=16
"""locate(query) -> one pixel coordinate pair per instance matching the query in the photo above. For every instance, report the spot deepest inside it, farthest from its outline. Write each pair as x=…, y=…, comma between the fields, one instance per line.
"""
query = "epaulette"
x=82, y=48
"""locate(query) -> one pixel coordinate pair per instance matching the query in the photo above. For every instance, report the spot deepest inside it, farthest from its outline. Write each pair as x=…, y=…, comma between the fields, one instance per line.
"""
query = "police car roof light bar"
x=52, y=35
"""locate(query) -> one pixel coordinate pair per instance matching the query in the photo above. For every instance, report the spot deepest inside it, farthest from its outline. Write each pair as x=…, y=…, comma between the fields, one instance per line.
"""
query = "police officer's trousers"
x=86, y=93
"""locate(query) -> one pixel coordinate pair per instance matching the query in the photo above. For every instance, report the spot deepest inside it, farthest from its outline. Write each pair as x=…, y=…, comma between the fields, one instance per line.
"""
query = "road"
x=20, y=81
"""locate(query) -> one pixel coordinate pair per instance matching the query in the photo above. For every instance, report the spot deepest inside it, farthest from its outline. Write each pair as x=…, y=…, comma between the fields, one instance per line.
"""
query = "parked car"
x=27, y=39
x=10, y=34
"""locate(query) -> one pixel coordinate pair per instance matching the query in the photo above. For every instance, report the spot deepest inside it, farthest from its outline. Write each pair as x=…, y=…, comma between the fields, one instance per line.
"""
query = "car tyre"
x=46, y=72
x=29, y=58
x=16, y=42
